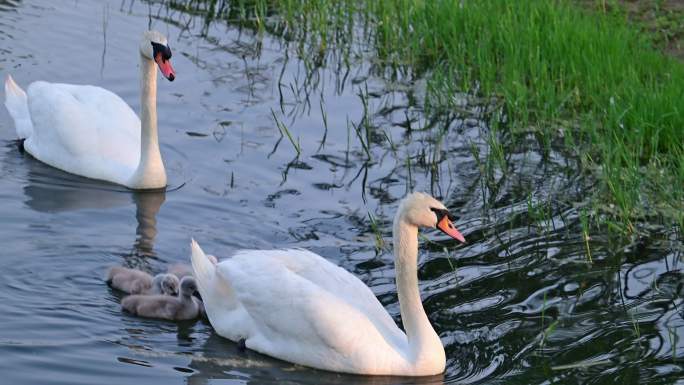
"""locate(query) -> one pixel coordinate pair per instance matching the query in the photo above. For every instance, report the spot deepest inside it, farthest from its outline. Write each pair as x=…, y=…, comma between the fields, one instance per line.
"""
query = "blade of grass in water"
x=283, y=130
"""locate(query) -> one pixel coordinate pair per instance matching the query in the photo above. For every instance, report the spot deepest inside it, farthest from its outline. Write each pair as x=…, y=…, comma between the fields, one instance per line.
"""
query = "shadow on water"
x=222, y=359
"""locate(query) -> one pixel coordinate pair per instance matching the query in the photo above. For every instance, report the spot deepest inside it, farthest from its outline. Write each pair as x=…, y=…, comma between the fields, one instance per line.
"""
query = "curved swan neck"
x=150, y=173
x=423, y=341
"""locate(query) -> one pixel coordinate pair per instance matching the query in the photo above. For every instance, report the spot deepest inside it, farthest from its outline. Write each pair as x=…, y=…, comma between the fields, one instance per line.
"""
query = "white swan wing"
x=332, y=278
x=289, y=316
x=84, y=130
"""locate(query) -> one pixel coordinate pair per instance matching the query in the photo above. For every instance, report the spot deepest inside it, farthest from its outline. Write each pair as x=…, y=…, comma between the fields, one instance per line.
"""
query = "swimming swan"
x=134, y=281
x=183, y=307
x=299, y=307
x=90, y=131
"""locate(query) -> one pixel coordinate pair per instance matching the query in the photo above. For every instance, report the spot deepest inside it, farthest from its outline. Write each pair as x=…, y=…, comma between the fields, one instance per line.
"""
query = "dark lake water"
x=519, y=303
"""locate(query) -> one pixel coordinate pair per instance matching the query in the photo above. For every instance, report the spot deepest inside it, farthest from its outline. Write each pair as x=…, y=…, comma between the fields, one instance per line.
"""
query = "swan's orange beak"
x=449, y=229
x=165, y=67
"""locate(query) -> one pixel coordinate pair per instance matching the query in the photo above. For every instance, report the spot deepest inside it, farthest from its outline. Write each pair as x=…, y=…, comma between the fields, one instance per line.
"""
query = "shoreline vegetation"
x=580, y=76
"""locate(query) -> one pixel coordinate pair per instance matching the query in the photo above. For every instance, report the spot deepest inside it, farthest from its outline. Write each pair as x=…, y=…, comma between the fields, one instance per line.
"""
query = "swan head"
x=188, y=286
x=422, y=210
x=166, y=284
x=154, y=46
x=170, y=284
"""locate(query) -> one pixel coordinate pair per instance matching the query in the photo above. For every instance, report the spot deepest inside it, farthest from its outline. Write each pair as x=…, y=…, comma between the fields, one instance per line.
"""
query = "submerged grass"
x=584, y=79
x=284, y=131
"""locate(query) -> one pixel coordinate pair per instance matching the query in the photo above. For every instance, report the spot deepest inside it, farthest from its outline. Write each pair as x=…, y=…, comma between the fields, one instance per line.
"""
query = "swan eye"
x=441, y=213
x=162, y=49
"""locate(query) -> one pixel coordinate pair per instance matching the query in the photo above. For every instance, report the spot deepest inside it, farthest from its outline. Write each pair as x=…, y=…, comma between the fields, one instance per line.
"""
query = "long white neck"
x=425, y=347
x=150, y=173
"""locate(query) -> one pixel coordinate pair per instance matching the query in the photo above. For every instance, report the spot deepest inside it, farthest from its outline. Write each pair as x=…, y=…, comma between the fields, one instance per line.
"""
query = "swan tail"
x=203, y=267
x=216, y=292
x=17, y=106
x=209, y=282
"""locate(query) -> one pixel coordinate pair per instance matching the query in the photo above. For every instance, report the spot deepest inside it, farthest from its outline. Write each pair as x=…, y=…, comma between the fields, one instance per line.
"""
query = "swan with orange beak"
x=299, y=307
x=90, y=131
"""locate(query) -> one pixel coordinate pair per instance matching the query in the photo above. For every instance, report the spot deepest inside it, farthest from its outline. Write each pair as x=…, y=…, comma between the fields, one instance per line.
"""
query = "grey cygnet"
x=134, y=281
x=183, y=307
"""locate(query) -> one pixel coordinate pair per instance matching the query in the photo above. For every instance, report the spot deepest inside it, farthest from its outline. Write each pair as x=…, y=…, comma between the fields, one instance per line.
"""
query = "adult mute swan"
x=90, y=131
x=297, y=306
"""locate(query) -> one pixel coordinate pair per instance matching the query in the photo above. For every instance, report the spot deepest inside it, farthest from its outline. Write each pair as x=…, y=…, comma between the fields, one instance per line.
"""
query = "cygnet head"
x=422, y=210
x=188, y=286
x=154, y=46
x=170, y=284
x=165, y=284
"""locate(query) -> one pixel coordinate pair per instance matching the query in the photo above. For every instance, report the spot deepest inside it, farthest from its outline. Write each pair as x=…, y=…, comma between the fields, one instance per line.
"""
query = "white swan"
x=297, y=306
x=90, y=131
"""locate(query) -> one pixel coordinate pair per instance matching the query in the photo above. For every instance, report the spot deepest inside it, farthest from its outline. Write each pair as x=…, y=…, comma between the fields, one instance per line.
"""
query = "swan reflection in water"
x=50, y=190
x=223, y=359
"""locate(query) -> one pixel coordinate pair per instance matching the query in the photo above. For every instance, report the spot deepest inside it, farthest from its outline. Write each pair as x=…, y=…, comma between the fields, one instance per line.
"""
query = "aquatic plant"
x=554, y=69
x=284, y=131
x=566, y=75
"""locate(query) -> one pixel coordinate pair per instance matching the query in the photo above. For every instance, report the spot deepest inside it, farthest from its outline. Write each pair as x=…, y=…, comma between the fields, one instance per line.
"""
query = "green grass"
x=580, y=77
x=555, y=66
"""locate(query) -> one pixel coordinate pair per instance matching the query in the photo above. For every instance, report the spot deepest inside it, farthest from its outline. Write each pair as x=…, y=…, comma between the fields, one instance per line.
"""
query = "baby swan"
x=165, y=284
x=183, y=307
x=134, y=281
